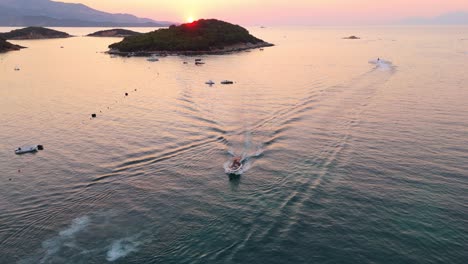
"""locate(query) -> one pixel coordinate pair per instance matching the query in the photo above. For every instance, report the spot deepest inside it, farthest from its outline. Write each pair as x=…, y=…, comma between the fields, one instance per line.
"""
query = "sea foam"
x=64, y=238
x=122, y=247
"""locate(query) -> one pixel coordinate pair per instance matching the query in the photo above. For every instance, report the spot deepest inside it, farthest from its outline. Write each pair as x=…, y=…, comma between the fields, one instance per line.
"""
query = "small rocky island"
x=34, y=33
x=117, y=32
x=205, y=36
x=7, y=46
x=352, y=37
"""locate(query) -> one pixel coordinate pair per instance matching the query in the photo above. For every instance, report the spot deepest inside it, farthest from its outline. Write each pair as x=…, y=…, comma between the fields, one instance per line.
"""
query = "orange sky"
x=322, y=12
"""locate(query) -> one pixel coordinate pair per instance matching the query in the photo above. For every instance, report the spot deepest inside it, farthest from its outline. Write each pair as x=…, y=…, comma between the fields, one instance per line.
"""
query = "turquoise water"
x=348, y=159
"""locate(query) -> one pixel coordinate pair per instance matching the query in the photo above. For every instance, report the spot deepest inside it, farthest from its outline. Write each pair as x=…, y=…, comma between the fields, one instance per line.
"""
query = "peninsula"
x=34, y=33
x=117, y=32
x=204, y=36
x=7, y=46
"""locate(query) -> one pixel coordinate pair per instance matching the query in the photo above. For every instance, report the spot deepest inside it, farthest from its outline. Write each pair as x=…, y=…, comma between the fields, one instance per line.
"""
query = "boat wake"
x=382, y=64
x=248, y=153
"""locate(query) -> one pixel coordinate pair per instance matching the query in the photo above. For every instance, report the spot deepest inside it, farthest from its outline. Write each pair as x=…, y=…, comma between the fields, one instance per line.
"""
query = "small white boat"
x=152, y=59
x=26, y=149
x=227, y=82
x=210, y=82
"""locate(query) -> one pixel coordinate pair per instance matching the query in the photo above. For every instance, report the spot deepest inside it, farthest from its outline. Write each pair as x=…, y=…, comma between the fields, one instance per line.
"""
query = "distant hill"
x=114, y=33
x=454, y=18
x=34, y=33
x=202, y=36
x=7, y=46
x=50, y=13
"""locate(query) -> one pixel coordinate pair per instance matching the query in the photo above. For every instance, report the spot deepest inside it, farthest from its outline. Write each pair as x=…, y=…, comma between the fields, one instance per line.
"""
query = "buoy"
x=93, y=115
x=126, y=94
x=135, y=90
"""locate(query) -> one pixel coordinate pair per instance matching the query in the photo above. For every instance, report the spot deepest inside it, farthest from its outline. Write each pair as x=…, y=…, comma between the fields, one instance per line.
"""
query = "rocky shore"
x=7, y=46
x=225, y=50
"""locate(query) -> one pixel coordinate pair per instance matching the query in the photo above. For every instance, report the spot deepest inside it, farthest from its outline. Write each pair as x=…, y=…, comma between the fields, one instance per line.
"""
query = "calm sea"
x=347, y=159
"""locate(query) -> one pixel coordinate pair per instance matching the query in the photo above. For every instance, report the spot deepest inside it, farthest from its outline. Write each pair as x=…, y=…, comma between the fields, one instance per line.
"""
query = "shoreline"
x=226, y=50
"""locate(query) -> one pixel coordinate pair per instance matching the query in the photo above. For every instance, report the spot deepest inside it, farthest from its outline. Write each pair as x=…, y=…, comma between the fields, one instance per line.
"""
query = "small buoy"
x=93, y=115
x=19, y=170
x=40, y=147
x=9, y=179
x=126, y=94
x=135, y=90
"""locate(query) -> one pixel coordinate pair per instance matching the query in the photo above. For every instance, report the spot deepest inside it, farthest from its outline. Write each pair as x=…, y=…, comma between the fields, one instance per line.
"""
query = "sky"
x=281, y=12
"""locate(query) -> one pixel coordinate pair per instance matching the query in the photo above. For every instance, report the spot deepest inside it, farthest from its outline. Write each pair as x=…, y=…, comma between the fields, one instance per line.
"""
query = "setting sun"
x=190, y=19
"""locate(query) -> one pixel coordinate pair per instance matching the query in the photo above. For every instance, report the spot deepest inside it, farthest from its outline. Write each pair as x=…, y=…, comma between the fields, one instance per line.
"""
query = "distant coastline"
x=34, y=33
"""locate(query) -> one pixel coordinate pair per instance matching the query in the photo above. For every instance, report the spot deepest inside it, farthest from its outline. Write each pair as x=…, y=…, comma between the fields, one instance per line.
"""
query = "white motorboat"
x=152, y=59
x=26, y=149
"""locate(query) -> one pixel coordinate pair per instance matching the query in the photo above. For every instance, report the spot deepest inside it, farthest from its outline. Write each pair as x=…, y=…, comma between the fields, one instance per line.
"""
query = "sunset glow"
x=190, y=19
x=264, y=12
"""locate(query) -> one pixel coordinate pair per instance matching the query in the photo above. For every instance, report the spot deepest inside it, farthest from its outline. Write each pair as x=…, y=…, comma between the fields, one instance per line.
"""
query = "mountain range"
x=454, y=18
x=20, y=13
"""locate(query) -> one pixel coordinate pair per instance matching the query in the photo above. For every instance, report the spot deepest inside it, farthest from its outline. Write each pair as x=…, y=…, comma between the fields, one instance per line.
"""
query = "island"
x=352, y=37
x=7, y=46
x=204, y=36
x=117, y=32
x=33, y=33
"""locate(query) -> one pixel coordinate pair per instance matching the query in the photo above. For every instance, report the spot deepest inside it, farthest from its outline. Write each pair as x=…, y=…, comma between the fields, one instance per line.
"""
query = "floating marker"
x=93, y=115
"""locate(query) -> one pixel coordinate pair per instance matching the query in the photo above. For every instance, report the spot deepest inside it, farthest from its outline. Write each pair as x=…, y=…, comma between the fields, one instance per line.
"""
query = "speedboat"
x=199, y=63
x=234, y=169
x=210, y=82
x=227, y=82
x=27, y=149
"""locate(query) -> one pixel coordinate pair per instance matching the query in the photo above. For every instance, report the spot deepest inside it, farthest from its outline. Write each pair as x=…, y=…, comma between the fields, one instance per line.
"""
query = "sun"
x=190, y=19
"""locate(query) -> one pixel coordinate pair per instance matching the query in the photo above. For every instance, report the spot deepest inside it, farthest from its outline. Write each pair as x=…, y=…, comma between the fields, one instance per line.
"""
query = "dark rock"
x=352, y=37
